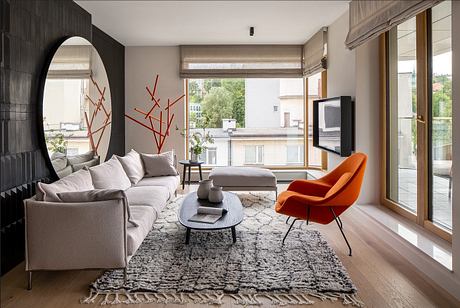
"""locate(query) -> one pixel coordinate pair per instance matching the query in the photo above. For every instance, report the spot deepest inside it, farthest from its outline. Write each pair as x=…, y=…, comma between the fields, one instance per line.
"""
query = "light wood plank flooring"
x=382, y=276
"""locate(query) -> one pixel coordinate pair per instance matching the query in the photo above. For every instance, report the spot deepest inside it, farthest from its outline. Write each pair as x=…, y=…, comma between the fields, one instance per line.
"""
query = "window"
x=401, y=120
x=241, y=117
x=315, y=85
x=64, y=115
x=418, y=119
x=253, y=154
x=211, y=156
x=294, y=154
x=440, y=124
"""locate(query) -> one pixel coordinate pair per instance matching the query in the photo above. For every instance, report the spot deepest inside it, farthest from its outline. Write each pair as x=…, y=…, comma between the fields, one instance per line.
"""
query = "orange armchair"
x=325, y=199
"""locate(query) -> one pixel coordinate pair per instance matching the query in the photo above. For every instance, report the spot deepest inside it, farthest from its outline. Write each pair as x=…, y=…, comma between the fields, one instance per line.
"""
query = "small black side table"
x=189, y=164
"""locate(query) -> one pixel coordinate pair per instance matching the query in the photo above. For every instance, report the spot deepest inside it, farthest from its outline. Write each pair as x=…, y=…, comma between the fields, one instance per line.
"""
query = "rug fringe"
x=216, y=298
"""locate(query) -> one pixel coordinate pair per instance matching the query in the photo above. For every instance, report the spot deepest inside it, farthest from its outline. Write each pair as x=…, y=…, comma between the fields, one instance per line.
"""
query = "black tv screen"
x=333, y=125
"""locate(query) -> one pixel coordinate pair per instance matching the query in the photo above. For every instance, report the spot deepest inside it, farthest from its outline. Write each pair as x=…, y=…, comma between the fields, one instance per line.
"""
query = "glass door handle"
x=420, y=119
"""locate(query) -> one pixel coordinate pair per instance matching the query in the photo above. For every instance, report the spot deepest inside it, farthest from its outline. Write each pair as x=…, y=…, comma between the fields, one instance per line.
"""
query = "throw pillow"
x=159, y=164
x=97, y=195
x=109, y=175
x=81, y=158
x=133, y=166
x=80, y=180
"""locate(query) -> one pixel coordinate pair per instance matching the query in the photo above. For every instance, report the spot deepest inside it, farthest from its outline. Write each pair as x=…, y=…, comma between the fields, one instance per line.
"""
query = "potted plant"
x=198, y=144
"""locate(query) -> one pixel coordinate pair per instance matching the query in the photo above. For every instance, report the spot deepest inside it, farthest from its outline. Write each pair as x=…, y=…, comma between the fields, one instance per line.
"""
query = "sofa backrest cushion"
x=97, y=195
x=159, y=164
x=133, y=166
x=80, y=180
x=81, y=158
x=109, y=175
x=59, y=163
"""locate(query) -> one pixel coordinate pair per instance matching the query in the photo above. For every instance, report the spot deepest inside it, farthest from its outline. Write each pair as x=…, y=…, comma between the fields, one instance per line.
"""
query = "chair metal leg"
x=29, y=280
x=289, y=230
x=340, y=225
x=125, y=275
x=287, y=220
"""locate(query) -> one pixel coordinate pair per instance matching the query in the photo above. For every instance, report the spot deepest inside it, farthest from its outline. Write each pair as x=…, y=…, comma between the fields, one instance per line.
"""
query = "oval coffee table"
x=232, y=218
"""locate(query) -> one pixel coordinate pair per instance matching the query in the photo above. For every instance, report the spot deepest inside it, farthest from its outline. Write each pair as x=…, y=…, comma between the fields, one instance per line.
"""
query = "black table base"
x=188, y=231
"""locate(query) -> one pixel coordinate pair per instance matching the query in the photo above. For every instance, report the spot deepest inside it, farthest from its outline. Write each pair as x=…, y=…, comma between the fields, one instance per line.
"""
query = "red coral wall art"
x=96, y=133
x=158, y=119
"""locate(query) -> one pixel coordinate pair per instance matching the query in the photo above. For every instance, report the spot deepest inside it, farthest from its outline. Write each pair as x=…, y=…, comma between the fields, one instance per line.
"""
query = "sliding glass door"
x=417, y=124
x=401, y=120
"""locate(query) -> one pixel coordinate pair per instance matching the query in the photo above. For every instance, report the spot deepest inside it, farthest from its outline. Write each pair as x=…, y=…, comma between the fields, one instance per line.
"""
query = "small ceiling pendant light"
x=251, y=31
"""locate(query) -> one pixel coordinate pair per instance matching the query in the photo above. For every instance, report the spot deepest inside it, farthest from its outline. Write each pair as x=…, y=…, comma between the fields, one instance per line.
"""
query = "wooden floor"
x=382, y=276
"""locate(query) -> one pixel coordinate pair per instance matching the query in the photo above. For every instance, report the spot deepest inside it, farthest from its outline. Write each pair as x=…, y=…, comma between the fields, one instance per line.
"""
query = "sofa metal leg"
x=29, y=280
x=289, y=230
x=340, y=225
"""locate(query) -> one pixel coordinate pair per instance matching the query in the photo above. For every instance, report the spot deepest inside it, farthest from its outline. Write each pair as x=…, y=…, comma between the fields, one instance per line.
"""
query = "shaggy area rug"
x=165, y=270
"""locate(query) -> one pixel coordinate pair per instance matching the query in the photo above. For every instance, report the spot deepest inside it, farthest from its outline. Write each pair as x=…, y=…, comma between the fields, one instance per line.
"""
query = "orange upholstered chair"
x=325, y=199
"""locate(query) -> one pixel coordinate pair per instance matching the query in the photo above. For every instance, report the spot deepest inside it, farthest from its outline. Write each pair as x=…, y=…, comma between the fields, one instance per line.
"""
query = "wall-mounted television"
x=333, y=125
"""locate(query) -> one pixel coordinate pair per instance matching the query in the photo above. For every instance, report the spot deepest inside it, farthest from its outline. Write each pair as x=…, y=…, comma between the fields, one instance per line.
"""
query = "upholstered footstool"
x=244, y=179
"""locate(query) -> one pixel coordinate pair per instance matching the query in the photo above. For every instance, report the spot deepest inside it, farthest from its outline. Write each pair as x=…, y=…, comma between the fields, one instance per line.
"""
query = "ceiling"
x=169, y=23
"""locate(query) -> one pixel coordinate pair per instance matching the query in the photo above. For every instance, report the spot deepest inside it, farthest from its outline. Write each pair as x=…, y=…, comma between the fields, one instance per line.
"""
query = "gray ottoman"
x=244, y=179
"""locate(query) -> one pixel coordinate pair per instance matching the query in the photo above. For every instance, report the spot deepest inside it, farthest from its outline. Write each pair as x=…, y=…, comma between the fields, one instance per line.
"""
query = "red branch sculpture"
x=98, y=106
x=153, y=121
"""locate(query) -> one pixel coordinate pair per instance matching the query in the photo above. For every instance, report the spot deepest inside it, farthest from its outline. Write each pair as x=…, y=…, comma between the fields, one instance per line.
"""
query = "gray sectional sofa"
x=96, y=218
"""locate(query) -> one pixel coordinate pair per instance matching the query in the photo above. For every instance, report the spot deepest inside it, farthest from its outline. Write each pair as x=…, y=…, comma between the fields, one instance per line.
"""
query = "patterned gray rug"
x=256, y=267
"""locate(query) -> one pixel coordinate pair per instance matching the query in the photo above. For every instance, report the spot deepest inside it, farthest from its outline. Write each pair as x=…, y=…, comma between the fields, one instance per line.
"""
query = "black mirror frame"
x=41, y=92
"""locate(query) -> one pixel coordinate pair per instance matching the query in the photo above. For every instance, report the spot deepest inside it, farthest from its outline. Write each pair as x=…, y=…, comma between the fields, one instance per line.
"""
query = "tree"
x=217, y=105
x=237, y=88
x=194, y=92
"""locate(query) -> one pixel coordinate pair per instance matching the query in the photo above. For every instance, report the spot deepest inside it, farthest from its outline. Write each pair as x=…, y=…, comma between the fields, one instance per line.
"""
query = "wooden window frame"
x=423, y=103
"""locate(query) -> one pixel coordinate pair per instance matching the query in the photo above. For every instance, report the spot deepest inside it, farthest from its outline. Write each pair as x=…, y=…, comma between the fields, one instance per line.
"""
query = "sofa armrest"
x=62, y=236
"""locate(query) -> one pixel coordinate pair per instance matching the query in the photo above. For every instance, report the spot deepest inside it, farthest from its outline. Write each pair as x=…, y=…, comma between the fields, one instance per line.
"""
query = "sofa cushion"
x=170, y=182
x=144, y=216
x=64, y=172
x=96, y=195
x=242, y=176
x=133, y=166
x=90, y=163
x=80, y=180
x=150, y=196
x=81, y=158
x=109, y=175
x=59, y=163
x=159, y=164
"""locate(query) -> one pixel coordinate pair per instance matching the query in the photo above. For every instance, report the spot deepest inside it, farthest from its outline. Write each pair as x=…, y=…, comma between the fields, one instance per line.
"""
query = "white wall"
x=141, y=66
x=367, y=124
x=340, y=69
x=356, y=74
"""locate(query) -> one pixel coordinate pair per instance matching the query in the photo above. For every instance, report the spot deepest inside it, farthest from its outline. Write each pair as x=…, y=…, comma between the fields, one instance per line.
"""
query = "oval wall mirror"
x=76, y=107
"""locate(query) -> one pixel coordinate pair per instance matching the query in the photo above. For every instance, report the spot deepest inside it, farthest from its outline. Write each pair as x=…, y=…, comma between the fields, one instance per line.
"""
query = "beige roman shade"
x=315, y=53
x=71, y=62
x=227, y=61
x=369, y=19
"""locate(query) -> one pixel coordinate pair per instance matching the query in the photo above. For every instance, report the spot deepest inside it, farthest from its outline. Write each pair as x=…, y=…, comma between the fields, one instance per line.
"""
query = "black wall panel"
x=113, y=55
x=29, y=31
